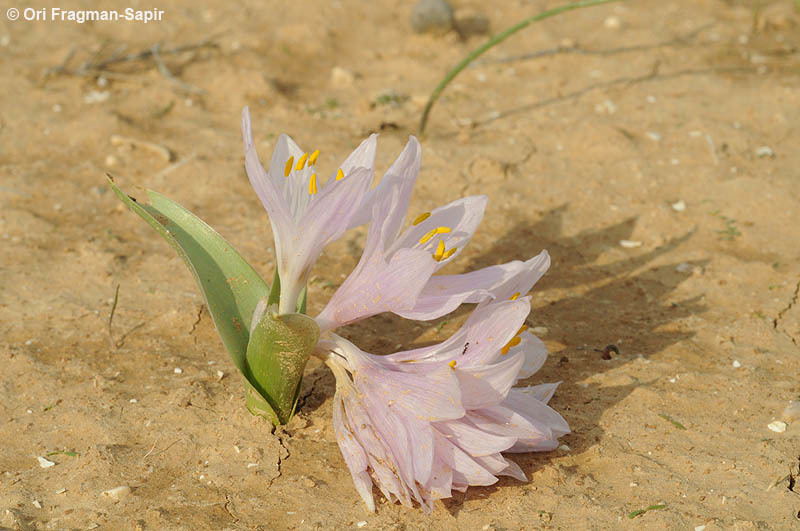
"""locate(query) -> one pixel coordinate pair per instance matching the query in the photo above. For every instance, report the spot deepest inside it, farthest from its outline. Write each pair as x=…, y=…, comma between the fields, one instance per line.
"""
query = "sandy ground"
x=648, y=107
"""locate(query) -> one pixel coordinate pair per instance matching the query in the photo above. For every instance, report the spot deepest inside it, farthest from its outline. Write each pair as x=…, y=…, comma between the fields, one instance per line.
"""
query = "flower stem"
x=497, y=39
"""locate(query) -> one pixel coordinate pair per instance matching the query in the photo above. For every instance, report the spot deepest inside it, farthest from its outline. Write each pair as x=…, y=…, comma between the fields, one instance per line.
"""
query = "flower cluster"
x=419, y=423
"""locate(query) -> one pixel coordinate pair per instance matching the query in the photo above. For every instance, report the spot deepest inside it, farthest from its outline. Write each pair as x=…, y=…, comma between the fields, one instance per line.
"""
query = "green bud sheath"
x=279, y=348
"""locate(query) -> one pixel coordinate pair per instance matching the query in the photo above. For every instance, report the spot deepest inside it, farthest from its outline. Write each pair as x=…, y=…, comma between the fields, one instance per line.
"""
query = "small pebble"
x=683, y=267
x=632, y=484
x=778, y=426
x=56, y=107
x=791, y=413
x=117, y=493
x=679, y=206
x=177, y=370
x=630, y=244
x=700, y=528
x=765, y=151
x=341, y=77
x=94, y=96
x=607, y=106
x=220, y=375
x=736, y=364
x=111, y=160
x=652, y=135
x=695, y=134
x=37, y=504
x=432, y=16
x=564, y=448
x=362, y=523
x=650, y=99
x=308, y=482
x=61, y=491
x=45, y=463
x=539, y=330
x=252, y=465
x=612, y=22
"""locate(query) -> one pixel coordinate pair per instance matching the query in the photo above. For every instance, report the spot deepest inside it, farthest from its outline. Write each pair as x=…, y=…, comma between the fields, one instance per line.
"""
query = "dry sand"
x=669, y=126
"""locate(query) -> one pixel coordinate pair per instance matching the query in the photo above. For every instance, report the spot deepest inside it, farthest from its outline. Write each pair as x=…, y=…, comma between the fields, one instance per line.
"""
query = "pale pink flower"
x=421, y=423
x=396, y=265
x=306, y=213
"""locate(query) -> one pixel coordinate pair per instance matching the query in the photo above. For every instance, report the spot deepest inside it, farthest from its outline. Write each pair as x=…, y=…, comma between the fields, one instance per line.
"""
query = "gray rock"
x=432, y=16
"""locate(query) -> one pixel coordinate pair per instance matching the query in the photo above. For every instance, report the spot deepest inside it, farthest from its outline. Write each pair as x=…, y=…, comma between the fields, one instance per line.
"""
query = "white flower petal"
x=472, y=439
x=535, y=354
x=483, y=386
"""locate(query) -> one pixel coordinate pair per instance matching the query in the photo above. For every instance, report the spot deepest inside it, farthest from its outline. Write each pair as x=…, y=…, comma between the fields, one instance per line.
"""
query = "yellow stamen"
x=439, y=251
x=312, y=184
x=301, y=162
x=339, y=174
x=514, y=296
x=428, y=235
x=433, y=232
x=421, y=218
x=288, y=169
x=522, y=329
x=313, y=158
x=449, y=253
x=513, y=343
x=452, y=364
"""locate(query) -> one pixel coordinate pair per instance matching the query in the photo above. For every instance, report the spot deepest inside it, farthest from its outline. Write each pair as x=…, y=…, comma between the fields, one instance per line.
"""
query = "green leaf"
x=230, y=286
x=279, y=348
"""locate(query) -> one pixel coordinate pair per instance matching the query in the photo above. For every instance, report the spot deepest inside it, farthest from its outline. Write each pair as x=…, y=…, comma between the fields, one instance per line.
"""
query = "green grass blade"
x=497, y=39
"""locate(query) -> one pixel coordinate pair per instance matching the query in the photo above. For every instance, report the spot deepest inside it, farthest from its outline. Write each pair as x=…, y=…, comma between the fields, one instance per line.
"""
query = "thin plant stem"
x=497, y=39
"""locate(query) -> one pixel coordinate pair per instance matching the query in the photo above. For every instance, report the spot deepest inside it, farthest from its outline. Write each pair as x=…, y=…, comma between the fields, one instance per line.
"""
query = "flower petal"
x=461, y=217
x=444, y=293
x=483, y=386
x=466, y=471
x=477, y=342
x=473, y=440
x=541, y=392
x=354, y=455
x=402, y=174
x=535, y=354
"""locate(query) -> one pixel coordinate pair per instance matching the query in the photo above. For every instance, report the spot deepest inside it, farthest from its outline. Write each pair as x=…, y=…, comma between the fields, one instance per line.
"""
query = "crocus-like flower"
x=307, y=214
x=395, y=266
x=420, y=423
x=395, y=271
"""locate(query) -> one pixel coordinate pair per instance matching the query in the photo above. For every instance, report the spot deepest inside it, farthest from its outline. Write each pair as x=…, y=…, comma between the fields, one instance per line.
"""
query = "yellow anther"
x=302, y=162
x=449, y=253
x=421, y=218
x=522, y=329
x=433, y=232
x=514, y=296
x=428, y=235
x=313, y=158
x=288, y=169
x=513, y=343
x=452, y=364
x=312, y=184
x=439, y=251
x=339, y=174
